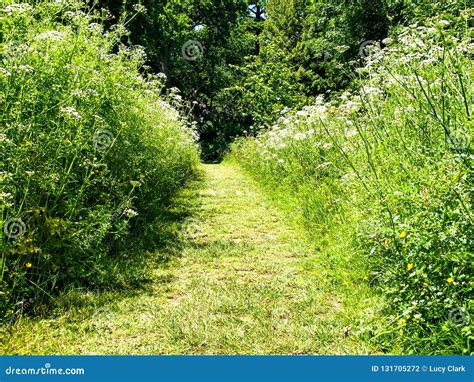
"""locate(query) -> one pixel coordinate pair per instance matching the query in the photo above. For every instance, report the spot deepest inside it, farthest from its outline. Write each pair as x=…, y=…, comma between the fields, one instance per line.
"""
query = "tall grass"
x=90, y=149
x=393, y=162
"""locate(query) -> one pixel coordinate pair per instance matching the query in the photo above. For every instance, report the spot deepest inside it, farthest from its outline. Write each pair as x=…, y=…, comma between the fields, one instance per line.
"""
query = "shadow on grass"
x=128, y=269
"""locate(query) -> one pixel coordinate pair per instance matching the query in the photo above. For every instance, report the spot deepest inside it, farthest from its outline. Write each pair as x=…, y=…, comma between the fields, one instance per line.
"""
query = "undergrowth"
x=391, y=160
x=91, y=152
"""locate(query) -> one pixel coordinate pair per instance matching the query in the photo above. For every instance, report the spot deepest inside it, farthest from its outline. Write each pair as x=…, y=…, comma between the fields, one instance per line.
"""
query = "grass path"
x=244, y=283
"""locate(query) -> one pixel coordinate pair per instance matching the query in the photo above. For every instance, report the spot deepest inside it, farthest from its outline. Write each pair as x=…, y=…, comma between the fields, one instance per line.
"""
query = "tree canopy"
x=238, y=64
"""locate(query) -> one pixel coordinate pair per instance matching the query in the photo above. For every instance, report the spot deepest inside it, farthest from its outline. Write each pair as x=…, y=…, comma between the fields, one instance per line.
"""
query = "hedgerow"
x=90, y=149
x=392, y=160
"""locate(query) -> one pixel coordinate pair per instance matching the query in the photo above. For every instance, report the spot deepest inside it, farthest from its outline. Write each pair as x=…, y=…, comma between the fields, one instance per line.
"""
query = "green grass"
x=242, y=280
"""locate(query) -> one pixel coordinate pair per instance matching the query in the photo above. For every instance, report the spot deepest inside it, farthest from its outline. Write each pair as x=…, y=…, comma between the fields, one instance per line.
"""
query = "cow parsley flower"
x=70, y=112
x=17, y=8
x=130, y=213
x=342, y=48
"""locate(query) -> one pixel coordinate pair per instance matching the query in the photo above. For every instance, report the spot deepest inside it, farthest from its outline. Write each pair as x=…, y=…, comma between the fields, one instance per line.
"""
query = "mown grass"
x=241, y=280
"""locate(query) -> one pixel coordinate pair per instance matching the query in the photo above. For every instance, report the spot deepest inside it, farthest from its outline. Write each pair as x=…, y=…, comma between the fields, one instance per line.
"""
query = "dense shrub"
x=393, y=161
x=89, y=149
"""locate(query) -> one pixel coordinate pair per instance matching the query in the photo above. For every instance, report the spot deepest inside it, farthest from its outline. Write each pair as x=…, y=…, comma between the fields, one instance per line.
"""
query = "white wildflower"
x=95, y=28
x=24, y=68
x=50, y=35
x=342, y=48
x=70, y=112
x=139, y=8
x=5, y=72
x=17, y=8
x=5, y=195
x=299, y=136
x=130, y=213
x=74, y=14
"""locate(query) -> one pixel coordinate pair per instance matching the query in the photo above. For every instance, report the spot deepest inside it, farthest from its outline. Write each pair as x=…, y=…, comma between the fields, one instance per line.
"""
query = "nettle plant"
x=90, y=149
x=393, y=160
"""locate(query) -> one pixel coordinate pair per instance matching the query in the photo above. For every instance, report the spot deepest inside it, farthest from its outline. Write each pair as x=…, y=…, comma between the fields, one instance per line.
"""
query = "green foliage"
x=322, y=38
x=304, y=49
x=419, y=10
x=260, y=57
x=219, y=34
x=393, y=160
x=90, y=149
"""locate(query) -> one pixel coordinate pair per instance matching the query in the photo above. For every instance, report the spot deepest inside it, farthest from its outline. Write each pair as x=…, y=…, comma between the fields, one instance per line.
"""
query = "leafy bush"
x=393, y=161
x=90, y=149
